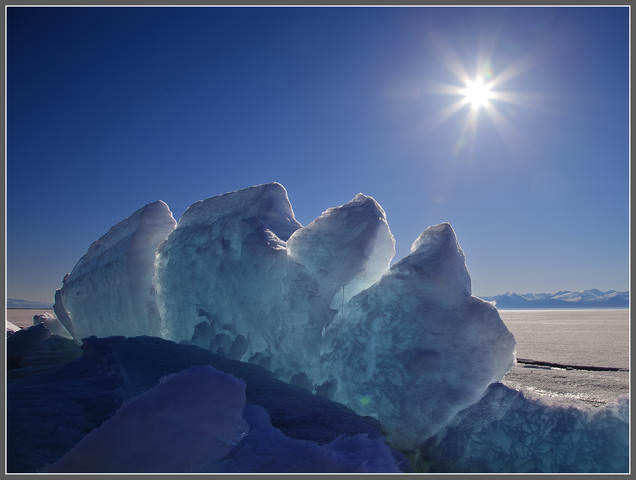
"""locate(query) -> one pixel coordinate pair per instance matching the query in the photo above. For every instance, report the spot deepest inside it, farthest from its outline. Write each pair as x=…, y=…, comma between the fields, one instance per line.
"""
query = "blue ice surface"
x=179, y=425
x=267, y=450
x=51, y=411
x=507, y=432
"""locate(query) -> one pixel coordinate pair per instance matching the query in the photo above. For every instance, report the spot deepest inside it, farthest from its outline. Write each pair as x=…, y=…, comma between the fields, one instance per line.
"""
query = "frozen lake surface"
x=598, y=337
x=23, y=317
x=592, y=337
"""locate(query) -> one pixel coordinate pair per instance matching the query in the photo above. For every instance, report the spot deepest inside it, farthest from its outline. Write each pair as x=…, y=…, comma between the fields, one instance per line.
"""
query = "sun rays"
x=479, y=95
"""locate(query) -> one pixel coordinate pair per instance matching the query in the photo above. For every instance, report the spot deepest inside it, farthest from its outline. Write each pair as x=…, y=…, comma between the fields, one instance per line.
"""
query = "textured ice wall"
x=415, y=348
x=223, y=280
x=239, y=275
x=226, y=250
x=506, y=432
x=190, y=419
x=109, y=291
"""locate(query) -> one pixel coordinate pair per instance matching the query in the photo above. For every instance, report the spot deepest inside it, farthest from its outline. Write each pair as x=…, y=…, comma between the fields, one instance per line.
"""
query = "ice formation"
x=52, y=323
x=190, y=419
x=507, y=432
x=416, y=348
x=36, y=349
x=266, y=449
x=346, y=249
x=23, y=341
x=109, y=291
x=317, y=305
x=239, y=275
x=227, y=250
x=11, y=327
x=48, y=413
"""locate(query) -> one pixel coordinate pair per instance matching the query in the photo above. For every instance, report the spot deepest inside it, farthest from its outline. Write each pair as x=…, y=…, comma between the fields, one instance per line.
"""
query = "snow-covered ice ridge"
x=318, y=305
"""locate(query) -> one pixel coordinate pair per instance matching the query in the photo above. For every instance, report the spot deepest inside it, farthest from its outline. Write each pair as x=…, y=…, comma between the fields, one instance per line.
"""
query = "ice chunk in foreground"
x=52, y=323
x=267, y=450
x=109, y=291
x=506, y=432
x=22, y=342
x=190, y=419
x=32, y=350
x=11, y=327
x=48, y=413
x=416, y=348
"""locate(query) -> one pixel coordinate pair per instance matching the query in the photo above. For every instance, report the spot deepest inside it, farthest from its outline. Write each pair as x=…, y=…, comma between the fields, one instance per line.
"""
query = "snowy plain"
x=581, y=337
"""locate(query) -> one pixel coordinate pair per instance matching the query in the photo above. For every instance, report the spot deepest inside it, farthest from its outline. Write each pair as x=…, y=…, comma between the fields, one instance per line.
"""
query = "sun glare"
x=477, y=93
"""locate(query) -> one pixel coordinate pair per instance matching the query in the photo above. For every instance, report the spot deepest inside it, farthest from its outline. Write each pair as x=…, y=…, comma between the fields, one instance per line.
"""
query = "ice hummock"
x=224, y=280
x=224, y=249
x=317, y=305
x=507, y=432
x=11, y=328
x=49, y=412
x=320, y=307
x=416, y=348
x=241, y=276
x=109, y=291
x=52, y=323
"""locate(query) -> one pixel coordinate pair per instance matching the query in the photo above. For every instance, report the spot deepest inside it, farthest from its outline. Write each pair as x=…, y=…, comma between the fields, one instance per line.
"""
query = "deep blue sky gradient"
x=112, y=108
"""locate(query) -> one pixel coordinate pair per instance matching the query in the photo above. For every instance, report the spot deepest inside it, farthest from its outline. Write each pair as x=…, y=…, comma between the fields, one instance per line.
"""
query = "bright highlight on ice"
x=478, y=93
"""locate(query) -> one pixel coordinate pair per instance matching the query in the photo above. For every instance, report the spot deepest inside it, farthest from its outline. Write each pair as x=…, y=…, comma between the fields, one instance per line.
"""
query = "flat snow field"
x=23, y=317
x=586, y=337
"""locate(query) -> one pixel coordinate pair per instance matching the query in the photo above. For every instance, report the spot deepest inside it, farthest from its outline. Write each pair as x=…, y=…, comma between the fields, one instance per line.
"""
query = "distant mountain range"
x=564, y=299
x=19, y=303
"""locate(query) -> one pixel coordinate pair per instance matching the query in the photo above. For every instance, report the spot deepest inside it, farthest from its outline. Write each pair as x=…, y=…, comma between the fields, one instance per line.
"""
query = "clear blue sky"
x=112, y=108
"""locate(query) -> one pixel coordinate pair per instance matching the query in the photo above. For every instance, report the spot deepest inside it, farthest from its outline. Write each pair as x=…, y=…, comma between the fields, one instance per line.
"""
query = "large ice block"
x=109, y=291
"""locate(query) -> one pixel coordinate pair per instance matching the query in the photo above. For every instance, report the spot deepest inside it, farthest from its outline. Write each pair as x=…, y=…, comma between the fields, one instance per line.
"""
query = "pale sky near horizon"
x=109, y=109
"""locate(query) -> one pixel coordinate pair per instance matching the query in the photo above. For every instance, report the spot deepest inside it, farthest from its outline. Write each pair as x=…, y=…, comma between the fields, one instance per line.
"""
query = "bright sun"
x=477, y=93
x=480, y=95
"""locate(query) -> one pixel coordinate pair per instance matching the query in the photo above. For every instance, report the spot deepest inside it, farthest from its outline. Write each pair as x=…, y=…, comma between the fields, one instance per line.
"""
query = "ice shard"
x=109, y=291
